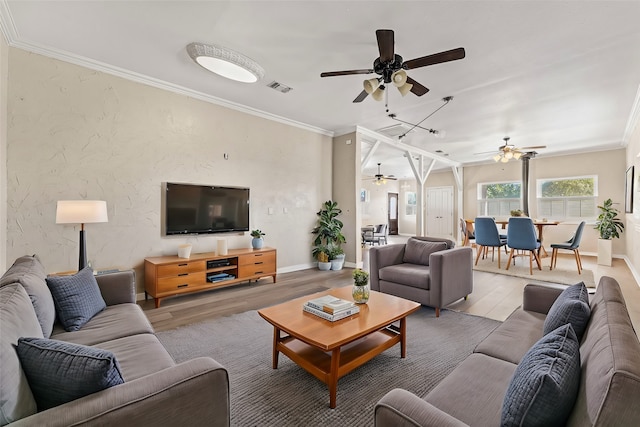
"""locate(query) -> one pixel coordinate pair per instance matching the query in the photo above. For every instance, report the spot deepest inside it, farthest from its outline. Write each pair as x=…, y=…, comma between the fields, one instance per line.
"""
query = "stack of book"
x=331, y=308
x=219, y=277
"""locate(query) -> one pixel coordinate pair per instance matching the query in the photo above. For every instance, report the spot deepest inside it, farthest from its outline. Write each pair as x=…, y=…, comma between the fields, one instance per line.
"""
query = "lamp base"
x=82, y=258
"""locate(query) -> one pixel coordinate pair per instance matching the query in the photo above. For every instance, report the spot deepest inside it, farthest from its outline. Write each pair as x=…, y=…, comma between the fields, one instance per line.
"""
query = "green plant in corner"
x=608, y=224
x=328, y=230
x=335, y=251
x=321, y=253
x=256, y=234
x=360, y=277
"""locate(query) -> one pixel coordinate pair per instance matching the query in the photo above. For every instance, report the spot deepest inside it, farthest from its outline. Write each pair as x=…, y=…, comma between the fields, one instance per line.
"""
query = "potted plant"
x=609, y=227
x=328, y=230
x=516, y=212
x=361, y=289
x=257, y=240
x=336, y=256
x=321, y=253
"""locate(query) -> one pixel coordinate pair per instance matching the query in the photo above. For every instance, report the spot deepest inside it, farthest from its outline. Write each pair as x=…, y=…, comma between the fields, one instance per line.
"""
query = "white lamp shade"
x=81, y=211
x=405, y=88
x=399, y=78
x=370, y=85
x=378, y=94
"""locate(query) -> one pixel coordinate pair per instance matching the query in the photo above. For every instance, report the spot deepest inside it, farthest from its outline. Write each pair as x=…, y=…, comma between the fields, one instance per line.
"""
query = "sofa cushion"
x=414, y=275
x=474, y=391
x=77, y=298
x=418, y=251
x=59, y=372
x=17, y=319
x=29, y=272
x=514, y=337
x=115, y=321
x=545, y=384
x=571, y=306
x=138, y=355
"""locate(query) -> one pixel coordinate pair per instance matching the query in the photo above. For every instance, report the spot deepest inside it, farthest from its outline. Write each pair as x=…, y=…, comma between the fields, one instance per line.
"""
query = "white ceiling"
x=564, y=74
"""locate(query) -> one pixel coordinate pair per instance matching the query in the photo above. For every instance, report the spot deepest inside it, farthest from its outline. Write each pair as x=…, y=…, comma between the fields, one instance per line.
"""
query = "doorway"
x=392, y=216
x=440, y=212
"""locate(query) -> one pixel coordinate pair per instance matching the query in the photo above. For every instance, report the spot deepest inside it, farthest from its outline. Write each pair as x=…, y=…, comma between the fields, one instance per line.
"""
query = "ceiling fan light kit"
x=225, y=62
x=391, y=69
x=508, y=151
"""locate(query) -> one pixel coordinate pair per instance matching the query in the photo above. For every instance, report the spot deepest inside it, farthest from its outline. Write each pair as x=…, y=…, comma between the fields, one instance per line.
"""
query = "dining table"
x=540, y=224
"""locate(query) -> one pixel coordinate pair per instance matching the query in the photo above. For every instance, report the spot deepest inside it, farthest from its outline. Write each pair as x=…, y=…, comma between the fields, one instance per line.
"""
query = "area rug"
x=289, y=396
x=521, y=269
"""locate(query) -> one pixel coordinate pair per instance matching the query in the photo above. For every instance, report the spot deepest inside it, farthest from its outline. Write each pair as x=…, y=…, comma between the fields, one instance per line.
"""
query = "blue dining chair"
x=571, y=245
x=521, y=236
x=487, y=236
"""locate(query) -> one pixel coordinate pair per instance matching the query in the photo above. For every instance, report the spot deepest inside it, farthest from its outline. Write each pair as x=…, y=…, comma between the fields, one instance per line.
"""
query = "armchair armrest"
x=118, y=288
x=193, y=393
x=540, y=298
x=400, y=408
x=451, y=275
x=383, y=256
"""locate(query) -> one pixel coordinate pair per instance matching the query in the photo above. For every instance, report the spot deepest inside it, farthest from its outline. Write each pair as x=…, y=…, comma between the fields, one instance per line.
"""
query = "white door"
x=439, y=215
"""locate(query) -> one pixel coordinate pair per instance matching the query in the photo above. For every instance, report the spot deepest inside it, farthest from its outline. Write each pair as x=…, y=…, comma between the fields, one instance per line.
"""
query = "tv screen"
x=205, y=209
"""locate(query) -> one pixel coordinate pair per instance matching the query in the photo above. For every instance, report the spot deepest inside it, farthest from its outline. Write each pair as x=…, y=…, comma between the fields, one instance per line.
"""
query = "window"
x=567, y=198
x=498, y=198
x=411, y=203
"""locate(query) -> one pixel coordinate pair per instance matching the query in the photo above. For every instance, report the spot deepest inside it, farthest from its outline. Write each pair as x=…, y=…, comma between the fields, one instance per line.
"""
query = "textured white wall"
x=74, y=133
x=4, y=75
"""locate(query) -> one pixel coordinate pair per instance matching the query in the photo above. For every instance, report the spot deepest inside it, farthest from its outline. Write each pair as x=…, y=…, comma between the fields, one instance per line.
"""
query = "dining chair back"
x=521, y=236
x=571, y=245
x=380, y=235
x=466, y=232
x=487, y=236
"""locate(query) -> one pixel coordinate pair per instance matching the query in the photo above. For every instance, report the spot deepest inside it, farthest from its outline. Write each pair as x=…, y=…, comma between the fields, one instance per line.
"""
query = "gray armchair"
x=428, y=270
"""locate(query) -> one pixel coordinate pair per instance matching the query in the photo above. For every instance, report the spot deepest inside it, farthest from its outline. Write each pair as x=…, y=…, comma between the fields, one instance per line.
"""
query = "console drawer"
x=266, y=269
x=180, y=268
x=186, y=281
x=257, y=258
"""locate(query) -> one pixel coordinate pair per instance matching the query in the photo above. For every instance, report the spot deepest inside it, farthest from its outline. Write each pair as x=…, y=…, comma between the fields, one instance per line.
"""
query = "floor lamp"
x=81, y=212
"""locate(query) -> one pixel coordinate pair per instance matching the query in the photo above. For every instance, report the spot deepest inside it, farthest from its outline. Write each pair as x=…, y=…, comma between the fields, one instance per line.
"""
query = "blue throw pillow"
x=571, y=306
x=77, y=298
x=545, y=384
x=59, y=372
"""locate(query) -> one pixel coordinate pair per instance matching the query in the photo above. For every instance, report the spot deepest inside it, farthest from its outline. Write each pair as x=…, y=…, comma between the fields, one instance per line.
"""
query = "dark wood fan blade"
x=361, y=97
x=345, y=73
x=417, y=88
x=385, y=45
x=436, y=58
x=535, y=147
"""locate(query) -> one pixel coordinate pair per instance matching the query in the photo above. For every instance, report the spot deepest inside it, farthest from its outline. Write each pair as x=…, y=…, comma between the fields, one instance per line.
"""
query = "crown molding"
x=8, y=28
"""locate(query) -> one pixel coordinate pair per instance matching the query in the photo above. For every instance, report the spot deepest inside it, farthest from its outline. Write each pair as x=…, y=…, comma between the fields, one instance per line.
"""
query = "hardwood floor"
x=494, y=295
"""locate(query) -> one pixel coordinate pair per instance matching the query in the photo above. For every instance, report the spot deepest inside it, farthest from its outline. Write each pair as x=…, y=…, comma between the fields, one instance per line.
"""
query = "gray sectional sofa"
x=607, y=391
x=156, y=390
x=428, y=270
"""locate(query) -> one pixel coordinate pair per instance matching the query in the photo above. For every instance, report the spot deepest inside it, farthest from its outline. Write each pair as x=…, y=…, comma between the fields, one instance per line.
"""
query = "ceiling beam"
x=375, y=136
x=368, y=156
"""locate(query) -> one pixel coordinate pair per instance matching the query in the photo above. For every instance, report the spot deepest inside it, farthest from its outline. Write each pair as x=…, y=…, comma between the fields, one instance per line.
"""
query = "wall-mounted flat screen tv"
x=204, y=209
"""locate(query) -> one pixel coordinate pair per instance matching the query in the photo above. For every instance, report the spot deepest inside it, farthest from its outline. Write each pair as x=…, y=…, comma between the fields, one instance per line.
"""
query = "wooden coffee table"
x=330, y=350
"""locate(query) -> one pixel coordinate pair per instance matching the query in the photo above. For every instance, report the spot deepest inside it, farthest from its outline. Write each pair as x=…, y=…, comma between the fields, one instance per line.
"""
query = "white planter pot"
x=336, y=264
x=604, y=252
x=324, y=266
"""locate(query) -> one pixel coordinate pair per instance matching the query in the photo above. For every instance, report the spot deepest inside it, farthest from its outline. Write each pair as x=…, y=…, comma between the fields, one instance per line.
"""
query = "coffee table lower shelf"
x=329, y=366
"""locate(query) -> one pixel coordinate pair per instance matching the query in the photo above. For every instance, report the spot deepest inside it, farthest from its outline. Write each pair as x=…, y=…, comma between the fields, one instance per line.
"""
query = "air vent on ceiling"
x=279, y=87
x=394, y=131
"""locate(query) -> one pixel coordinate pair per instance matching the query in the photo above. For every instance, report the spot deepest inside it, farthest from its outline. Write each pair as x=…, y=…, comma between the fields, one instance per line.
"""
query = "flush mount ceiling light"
x=226, y=62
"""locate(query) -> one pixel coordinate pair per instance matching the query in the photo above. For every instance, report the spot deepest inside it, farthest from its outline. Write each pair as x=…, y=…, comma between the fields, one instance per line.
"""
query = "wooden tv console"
x=166, y=276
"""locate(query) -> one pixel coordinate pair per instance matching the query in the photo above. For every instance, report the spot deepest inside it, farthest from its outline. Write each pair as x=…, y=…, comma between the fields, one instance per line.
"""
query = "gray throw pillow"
x=59, y=372
x=418, y=251
x=29, y=272
x=545, y=384
x=571, y=306
x=77, y=298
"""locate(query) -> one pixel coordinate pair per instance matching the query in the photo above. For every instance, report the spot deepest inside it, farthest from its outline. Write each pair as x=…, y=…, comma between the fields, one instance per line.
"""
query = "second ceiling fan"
x=379, y=178
x=508, y=151
x=391, y=68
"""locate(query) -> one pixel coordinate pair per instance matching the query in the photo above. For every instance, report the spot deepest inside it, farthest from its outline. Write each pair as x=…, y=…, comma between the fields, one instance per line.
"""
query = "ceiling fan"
x=379, y=178
x=391, y=69
x=508, y=151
